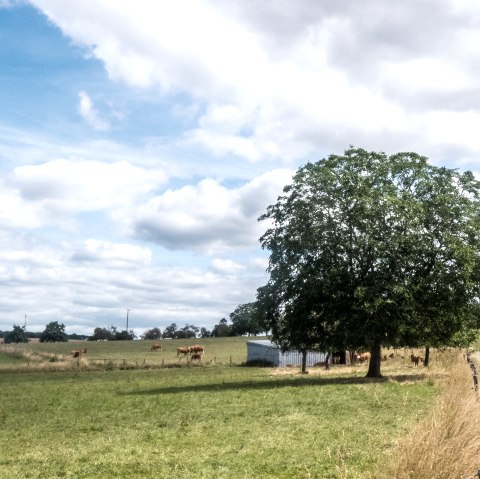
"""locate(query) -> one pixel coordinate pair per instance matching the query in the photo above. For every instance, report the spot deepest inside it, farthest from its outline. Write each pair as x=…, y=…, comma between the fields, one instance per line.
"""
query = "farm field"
x=218, y=421
x=218, y=351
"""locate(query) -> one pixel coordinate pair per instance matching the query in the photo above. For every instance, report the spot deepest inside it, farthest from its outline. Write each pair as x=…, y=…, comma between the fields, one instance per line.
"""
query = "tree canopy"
x=248, y=319
x=54, y=332
x=17, y=335
x=370, y=250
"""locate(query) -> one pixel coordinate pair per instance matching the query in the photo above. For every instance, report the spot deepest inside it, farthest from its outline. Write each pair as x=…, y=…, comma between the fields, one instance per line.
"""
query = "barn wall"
x=257, y=351
x=266, y=351
x=294, y=358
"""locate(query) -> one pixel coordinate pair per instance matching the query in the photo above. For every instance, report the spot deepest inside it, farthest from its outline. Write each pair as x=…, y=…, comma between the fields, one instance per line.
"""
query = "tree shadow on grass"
x=275, y=383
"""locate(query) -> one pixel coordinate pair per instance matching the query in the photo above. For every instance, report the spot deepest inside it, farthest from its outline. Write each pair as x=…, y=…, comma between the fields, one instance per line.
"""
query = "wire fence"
x=473, y=367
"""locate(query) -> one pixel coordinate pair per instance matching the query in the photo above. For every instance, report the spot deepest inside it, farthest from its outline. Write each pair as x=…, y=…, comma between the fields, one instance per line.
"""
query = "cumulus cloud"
x=261, y=83
x=208, y=217
x=92, y=284
x=66, y=187
x=280, y=82
x=113, y=254
x=90, y=114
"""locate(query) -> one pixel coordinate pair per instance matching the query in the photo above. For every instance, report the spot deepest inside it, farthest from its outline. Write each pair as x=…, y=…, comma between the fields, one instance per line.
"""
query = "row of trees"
x=245, y=319
x=369, y=251
x=54, y=332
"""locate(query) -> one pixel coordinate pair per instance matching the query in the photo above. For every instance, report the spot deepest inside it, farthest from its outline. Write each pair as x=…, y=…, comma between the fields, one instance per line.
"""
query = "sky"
x=140, y=141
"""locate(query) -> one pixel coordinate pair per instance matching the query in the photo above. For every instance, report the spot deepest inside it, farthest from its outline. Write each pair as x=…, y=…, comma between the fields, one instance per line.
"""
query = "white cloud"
x=112, y=253
x=90, y=114
x=281, y=82
x=258, y=86
x=209, y=217
x=66, y=187
x=15, y=212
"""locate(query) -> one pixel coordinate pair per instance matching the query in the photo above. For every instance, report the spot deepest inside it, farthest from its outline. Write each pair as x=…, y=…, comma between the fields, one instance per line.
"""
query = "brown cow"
x=197, y=357
x=156, y=347
x=362, y=357
x=183, y=350
x=197, y=349
x=416, y=359
x=76, y=353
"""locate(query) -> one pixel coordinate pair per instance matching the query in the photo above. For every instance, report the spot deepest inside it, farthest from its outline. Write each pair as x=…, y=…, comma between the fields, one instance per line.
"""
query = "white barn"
x=265, y=350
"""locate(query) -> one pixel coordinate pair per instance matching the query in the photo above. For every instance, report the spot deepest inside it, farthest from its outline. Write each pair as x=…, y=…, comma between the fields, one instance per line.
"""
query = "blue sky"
x=140, y=141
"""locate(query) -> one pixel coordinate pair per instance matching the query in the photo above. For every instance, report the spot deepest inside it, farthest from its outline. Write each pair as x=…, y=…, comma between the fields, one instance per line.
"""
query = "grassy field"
x=218, y=421
x=218, y=351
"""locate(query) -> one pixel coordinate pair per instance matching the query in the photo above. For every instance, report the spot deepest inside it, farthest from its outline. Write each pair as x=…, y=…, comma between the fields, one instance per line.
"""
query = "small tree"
x=205, y=333
x=169, y=331
x=153, y=333
x=124, y=335
x=102, y=334
x=54, y=333
x=17, y=335
x=222, y=329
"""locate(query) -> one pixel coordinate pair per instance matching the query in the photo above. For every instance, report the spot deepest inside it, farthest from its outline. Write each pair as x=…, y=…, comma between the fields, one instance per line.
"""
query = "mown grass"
x=219, y=421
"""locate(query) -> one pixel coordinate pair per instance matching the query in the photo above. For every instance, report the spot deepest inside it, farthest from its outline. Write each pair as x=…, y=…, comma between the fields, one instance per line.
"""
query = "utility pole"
x=127, y=318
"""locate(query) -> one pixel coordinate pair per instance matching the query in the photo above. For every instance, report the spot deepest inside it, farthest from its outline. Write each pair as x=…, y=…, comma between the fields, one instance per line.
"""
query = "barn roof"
x=264, y=342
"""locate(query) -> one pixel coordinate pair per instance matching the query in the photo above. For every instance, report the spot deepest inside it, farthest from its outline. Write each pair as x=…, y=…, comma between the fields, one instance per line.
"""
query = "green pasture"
x=221, y=421
x=218, y=351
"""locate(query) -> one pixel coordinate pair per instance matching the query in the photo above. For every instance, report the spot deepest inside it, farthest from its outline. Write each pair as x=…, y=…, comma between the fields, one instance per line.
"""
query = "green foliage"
x=153, y=333
x=111, y=334
x=169, y=331
x=54, y=333
x=17, y=335
x=248, y=319
x=369, y=250
x=222, y=329
x=205, y=333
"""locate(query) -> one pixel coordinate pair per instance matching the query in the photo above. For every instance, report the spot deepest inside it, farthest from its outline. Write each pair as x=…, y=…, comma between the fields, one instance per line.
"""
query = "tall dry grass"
x=446, y=445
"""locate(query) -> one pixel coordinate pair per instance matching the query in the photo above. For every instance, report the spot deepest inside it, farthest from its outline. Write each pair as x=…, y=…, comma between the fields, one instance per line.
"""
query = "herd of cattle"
x=195, y=351
x=364, y=357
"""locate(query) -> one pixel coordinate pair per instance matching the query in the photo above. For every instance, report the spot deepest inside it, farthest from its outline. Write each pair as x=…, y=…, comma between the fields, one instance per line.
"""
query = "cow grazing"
x=76, y=353
x=156, y=347
x=183, y=350
x=362, y=357
x=196, y=349
x=197, y=357
x=416, y=359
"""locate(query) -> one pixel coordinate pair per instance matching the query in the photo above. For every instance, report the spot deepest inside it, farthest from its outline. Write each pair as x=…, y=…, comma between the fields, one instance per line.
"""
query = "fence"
x=473, y=367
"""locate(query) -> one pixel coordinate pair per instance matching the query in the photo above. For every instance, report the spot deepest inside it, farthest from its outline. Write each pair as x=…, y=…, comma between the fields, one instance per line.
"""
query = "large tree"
x=17, y=335
x=370, y=250
x=54, y=332
x=248, y=318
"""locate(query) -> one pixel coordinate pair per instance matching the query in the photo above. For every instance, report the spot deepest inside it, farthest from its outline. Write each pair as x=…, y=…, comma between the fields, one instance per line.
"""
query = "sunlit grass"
x=446, y=444
x=215, y=422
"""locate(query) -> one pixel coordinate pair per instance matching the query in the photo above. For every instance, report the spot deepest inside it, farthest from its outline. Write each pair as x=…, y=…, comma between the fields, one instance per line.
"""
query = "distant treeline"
x=246, y=319
x=38, y=335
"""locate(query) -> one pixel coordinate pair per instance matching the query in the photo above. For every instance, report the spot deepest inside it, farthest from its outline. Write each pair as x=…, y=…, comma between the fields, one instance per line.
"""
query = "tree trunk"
x=304, y=361
x=427, y=356
x=375, y=361
x=327, y=362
